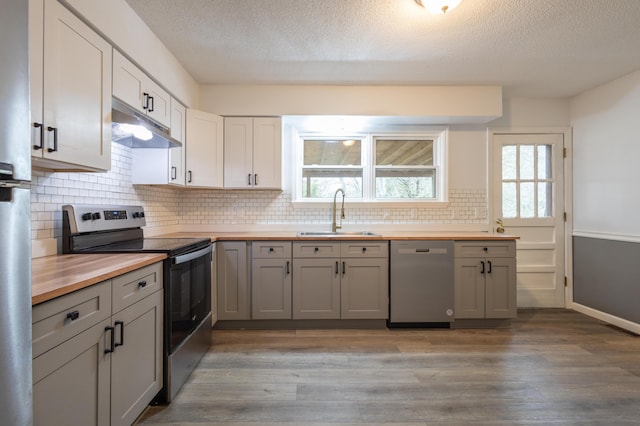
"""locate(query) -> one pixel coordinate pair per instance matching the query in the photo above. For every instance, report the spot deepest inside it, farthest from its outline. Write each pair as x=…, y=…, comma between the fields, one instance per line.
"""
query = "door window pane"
x=509, y=163
x=544, y=199
x=544, y=161
x=526, y=161
x=509, y=200
x=527, y=200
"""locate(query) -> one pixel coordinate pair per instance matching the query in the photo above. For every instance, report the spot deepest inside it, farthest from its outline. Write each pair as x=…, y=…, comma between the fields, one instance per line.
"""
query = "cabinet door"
x=159, y=104
x=238, y=152
x=500, y=290
x=233, y=291
x=204, y=150
x=176, y=155
x=364, y=288
x=271, y=289
x=316, y=289
x=128, y=82
x=76, y=93
x=136, y=363
x=469, y=283
x=267, y=153
x=71, y=381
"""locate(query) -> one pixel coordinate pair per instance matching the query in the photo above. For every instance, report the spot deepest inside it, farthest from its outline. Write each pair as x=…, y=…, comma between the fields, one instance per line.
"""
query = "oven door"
x=189, y=294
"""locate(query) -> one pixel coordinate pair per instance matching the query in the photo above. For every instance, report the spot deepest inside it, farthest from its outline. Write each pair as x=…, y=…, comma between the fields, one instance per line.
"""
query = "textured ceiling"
x=540, y=48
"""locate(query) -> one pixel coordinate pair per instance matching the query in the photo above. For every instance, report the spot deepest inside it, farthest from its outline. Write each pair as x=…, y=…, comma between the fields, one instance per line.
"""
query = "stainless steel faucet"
x=334, y=225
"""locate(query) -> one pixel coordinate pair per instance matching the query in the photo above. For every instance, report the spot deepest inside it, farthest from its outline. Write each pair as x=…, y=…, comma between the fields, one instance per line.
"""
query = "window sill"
x=298, y=204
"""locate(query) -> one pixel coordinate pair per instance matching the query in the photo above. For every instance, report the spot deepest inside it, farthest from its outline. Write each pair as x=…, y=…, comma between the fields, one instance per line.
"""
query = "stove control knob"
x=86, y=216
x=135, y=215
x=95, y=216
x=141, y=214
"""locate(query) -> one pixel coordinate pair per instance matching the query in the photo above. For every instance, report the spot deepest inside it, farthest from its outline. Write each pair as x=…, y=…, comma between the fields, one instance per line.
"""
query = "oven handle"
x=193, y=255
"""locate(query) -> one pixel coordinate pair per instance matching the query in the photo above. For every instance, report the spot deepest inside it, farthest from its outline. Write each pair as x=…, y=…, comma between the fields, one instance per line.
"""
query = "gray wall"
x=606, y=276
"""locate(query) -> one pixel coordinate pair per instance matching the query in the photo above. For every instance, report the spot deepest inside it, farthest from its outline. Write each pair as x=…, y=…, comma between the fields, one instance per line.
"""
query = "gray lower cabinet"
x=485, y=280
x=232, y=280
x=341, y=280
x=271, y=280
x=93, y=364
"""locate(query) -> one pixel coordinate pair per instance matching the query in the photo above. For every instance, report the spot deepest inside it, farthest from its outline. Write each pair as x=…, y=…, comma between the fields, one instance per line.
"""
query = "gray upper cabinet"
x=485, y=280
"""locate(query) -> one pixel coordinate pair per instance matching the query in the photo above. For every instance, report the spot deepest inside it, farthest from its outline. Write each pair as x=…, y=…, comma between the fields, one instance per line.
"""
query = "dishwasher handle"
x=439, y=250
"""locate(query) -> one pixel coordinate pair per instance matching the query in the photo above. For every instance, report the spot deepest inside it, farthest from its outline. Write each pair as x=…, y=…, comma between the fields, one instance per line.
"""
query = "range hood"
x=135, y=130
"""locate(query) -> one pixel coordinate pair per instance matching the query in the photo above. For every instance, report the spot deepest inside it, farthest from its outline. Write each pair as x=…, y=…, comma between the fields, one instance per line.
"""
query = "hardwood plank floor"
x=553, y=366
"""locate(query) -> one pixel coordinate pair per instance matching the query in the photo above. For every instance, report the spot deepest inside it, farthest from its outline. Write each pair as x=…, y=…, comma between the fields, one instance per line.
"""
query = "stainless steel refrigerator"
x=15, y=217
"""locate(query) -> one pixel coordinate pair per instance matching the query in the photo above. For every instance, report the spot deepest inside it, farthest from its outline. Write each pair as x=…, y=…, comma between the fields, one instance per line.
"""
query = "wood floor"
x=552, y=366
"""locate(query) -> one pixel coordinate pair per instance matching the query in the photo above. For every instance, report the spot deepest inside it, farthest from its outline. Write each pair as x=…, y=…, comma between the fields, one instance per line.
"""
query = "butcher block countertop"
x=384, y=236
x=54, y=276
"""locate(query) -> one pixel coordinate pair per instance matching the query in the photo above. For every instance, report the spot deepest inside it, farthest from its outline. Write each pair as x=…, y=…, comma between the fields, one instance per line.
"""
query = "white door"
x=528, y=195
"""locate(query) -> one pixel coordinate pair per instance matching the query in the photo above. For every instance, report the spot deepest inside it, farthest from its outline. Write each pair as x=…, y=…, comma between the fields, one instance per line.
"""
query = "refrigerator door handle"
x=8, y=184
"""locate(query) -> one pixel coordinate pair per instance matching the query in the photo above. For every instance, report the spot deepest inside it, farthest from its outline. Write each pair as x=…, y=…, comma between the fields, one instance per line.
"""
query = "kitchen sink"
x=337, y=234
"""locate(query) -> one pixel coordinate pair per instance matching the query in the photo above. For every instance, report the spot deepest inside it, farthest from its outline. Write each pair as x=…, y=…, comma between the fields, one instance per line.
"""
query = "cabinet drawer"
x=136, y=285
x=271, y=249
x=485, y=249
x=313, y=249
x=364, y=249
x=53, y=321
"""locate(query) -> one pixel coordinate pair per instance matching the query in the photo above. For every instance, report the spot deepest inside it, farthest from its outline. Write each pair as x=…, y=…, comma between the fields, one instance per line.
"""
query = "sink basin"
x=337, y=234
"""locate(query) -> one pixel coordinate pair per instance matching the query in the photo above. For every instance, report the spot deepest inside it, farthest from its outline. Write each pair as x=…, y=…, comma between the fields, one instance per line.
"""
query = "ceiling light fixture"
x=438, y=6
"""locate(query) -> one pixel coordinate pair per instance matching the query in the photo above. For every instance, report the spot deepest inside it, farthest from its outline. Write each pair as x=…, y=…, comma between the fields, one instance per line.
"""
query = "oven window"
x=190, y=297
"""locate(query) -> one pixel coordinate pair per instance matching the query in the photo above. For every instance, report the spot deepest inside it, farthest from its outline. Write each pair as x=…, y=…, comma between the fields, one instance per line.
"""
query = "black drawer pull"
x=482, y=271
x=364, y=250
x=270, y=249
x=142, y=284
x=121, y=342
x=73, y=315
x=41, y=127
x=316, y=249
x=490, y=267
x=112, y=340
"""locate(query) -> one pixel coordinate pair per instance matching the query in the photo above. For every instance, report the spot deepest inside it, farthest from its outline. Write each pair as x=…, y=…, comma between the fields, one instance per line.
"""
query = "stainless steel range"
x=187, y=279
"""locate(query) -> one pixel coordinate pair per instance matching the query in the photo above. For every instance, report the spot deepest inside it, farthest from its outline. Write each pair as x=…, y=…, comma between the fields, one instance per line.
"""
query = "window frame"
x=439, y=135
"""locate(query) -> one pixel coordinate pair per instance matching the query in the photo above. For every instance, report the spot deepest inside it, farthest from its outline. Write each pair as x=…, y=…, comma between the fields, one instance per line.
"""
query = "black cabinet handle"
x=121, y=342
x=145, y=103
x=315, y=249
x=142, y=284
x=189, y=176
x=270, y=249
x=55, y=139
x=482, y=271
x=41, y=127
x=109, y=329
x=288, y=271
x=73, y=315
x=249, y=179
x=174, y=172
x=152, y=107
x=344, y=268
x=485, y=248
x=337, y=271
x=255, y=179
x=364, y=250
x=489, y=271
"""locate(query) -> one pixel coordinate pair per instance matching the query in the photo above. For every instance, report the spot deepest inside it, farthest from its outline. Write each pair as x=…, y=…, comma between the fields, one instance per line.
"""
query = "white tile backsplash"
x=171, y=207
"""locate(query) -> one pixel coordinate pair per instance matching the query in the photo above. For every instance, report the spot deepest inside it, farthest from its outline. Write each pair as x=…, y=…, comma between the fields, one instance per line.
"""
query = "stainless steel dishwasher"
x=421, y=282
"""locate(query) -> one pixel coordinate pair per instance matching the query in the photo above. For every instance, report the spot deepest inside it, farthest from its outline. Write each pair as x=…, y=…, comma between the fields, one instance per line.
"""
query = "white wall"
x=606, y=154
x=533, y=112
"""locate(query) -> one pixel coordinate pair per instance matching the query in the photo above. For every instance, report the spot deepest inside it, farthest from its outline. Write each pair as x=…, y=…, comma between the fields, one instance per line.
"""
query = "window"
x=372, y=167
x=526, y=181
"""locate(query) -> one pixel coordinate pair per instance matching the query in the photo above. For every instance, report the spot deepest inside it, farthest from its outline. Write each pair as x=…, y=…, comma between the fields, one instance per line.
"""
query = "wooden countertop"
x=54, y=276
x=384, y=236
